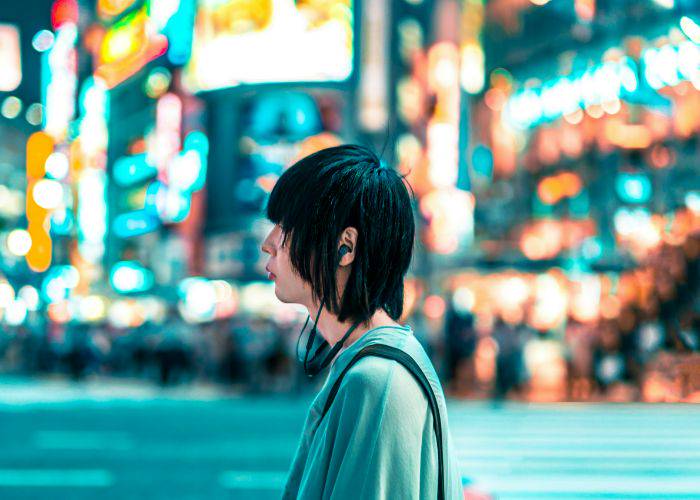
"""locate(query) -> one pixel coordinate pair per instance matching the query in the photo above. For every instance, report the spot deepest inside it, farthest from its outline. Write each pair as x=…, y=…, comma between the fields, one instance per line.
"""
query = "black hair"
x=328, y=191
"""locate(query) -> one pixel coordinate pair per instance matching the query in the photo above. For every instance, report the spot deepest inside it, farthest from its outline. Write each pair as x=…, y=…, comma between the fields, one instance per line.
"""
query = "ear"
x=348, y=238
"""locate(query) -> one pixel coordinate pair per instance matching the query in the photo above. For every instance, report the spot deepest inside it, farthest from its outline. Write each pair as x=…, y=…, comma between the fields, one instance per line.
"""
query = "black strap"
x=388, y=352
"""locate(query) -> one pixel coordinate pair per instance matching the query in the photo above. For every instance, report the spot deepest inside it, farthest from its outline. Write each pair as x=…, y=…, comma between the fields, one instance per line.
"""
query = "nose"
x=267, y=246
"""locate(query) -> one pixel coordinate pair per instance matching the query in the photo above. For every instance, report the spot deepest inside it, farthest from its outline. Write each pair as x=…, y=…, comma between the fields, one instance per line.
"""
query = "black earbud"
x=343, y=250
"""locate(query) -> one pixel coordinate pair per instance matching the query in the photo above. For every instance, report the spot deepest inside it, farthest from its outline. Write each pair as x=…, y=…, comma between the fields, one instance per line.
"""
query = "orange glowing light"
x=267, y=182
x=443, y=66
x=585, y=10
x=571, y=184
x=495, y=99
x=627, y=136
x=546, y=238
x=127, y=47
x=59, y=312
x=110, y=8
x=485, y=359
x=443, y=79
x=92, y=39
x=39, y=147
x=550, y=190
x=138, y=146
x=661, y=156
x=39, y=255
x=533, y=247
x=413, y=289
x=316, y=143
x=610, y=307
x=434, y=306
x=75, y=153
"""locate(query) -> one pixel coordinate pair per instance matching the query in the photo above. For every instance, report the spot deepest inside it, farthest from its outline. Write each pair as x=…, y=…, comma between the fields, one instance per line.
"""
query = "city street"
x=62, y=441
x=204, y=201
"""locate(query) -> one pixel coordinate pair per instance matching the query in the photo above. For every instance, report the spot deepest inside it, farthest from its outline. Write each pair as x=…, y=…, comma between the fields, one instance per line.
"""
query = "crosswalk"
x=579, y=451
x=117, y=443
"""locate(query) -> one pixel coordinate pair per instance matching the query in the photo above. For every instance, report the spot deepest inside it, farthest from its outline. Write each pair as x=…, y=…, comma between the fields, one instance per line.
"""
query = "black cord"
x=310, y=341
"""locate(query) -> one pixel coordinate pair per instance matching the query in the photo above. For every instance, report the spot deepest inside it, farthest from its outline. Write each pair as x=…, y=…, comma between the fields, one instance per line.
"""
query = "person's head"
x=341, y=196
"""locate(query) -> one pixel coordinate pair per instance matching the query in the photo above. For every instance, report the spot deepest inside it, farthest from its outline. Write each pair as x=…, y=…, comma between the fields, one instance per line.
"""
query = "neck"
x=333, y=330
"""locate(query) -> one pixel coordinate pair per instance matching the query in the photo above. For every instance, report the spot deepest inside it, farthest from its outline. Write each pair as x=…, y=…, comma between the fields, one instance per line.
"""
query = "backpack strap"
x=388, y=352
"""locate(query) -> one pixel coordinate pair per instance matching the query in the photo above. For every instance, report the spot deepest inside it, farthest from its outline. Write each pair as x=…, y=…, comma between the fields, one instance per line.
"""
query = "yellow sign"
x=39, y=147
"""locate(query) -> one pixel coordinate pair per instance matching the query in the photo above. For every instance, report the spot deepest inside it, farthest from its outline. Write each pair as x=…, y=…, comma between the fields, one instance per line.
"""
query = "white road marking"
x=252, y=480
x=49, y=478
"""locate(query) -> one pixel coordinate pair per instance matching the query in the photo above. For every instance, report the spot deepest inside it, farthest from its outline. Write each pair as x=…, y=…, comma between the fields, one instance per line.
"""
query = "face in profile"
x=289, y=286
x=340, y=195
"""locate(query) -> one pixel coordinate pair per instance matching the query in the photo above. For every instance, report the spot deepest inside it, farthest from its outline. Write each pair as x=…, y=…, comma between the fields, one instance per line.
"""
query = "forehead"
x=276, y=233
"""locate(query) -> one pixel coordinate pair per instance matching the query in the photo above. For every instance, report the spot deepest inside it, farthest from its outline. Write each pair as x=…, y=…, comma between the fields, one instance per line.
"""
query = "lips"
x=270, y=274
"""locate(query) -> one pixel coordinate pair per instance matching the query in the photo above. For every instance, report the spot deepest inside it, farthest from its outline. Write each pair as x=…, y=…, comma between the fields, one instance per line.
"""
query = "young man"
x=341, y=246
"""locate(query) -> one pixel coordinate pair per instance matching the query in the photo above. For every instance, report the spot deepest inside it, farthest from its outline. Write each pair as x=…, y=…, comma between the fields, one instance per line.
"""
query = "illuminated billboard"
x=10, y=62
x=128, y=46
x=261, y=41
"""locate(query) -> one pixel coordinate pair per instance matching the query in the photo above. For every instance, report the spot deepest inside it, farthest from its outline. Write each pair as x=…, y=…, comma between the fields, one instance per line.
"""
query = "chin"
x=283, y=297
x=287, y=299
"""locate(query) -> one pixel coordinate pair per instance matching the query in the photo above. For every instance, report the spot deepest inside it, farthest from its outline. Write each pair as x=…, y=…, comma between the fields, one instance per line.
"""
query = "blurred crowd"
x=635, y=354
x=631, y=352
x=248, y=354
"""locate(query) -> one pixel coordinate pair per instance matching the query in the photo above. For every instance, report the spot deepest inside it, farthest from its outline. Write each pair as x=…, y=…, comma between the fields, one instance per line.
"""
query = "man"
x=341, y=245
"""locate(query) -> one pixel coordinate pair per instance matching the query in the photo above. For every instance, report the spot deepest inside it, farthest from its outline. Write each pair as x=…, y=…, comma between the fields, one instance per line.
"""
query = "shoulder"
x=373, y=377
x=370, y=375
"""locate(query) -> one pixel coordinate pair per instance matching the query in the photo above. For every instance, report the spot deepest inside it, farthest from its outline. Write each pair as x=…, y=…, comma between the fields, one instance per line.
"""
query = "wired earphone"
x=315, y=365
